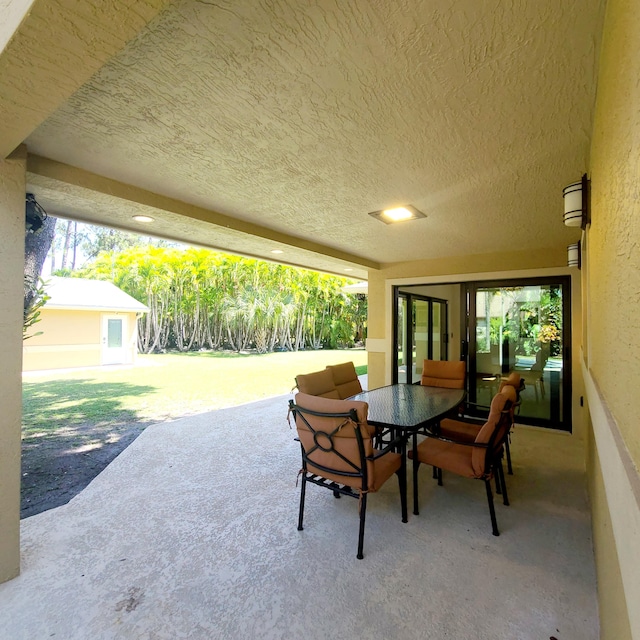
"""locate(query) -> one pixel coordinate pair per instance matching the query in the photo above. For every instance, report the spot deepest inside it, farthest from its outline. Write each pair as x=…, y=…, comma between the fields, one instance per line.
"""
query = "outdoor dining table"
x=405, y=409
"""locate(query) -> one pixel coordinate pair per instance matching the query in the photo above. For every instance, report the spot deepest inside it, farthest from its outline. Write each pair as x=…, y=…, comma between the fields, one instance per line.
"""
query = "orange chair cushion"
x=443, y=373
x=513, y=380
x=447, y=455
x=378, y=471
x=459, y=430
x=463, y=459
x=345, y=379
x=319, y=383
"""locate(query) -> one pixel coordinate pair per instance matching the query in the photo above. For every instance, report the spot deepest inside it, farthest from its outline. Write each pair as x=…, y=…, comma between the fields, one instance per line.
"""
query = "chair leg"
x=503, y=484
x=497, y=479
x=402, y=481
x=439, y=477
x=363, y=514
x=302, y=493
x=508, y=449
x=416, y=467
x=492, y=511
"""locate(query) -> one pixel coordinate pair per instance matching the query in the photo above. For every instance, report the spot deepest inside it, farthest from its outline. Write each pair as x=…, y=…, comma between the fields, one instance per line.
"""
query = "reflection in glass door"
x=421, y=333
x=524, y=328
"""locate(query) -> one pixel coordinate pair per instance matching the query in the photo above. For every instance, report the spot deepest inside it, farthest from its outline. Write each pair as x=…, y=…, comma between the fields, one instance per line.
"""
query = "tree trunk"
x=67, y=242
x=75, y=246
x=36, y=248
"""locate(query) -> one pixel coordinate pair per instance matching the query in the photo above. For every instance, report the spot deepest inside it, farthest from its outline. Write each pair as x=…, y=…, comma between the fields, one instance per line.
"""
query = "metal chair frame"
x=324, y=441
x=492, y=462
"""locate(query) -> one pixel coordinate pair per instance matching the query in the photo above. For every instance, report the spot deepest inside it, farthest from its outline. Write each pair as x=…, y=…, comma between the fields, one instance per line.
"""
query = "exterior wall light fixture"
x=576, y=204
x=573, y=255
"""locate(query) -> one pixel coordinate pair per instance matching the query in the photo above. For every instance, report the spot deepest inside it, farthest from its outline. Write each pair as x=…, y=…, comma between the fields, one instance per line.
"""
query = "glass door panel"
x=421, y=333
x=402, y=344
x=522, y=328
x=420, y=309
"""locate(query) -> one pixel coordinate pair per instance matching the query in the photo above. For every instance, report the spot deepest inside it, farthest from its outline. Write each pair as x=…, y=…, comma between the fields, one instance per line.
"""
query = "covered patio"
x=280, y=131
x=191, y=533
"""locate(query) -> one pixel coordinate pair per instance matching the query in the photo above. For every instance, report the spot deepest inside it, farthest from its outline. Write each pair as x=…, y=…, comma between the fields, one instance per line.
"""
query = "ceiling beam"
x=68, y=175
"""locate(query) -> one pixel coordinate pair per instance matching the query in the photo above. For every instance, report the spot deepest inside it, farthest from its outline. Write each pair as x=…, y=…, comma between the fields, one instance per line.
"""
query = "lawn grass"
x=166, y=386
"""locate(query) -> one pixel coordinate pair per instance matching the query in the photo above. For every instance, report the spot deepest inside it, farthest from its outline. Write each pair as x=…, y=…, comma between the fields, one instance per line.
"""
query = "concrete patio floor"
x=191, y=533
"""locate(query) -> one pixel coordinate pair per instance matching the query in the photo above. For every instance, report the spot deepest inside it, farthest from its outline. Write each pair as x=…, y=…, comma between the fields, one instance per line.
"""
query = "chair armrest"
x=390, y=448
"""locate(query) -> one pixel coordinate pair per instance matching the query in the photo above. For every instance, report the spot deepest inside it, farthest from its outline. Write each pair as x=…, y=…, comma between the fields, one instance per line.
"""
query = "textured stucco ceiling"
x=303, y=117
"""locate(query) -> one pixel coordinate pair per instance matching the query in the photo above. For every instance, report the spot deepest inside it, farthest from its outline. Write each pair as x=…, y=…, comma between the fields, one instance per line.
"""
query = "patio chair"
x=479, y=459
x=338, y=454
x=346, y=379
x=467, y=429
x=449, y=374
x=318, y=383
x=444, y=373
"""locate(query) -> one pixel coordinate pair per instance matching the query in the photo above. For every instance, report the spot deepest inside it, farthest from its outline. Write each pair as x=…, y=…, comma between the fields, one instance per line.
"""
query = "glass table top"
x=409, y=405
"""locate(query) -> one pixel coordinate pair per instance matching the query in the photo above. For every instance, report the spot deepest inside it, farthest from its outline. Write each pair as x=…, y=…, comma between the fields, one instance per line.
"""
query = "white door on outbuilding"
x=114, y=329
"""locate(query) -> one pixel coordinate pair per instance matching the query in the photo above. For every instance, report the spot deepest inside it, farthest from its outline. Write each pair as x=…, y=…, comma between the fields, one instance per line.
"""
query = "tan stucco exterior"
x=75, y=338
x=12, y=187
x=611, y=278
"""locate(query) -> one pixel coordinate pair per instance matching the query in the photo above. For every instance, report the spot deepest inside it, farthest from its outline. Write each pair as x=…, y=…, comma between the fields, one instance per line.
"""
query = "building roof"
x=81, y=293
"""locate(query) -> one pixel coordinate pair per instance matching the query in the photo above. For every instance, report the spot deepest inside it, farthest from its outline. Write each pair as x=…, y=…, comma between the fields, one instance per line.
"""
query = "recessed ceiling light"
x=143, y=219
x=277, y=251
x=398, y=214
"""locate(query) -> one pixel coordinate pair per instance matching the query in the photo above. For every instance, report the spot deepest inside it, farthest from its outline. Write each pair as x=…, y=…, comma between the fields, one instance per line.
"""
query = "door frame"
x=468, y=312
x=444, y=330
x=104, y=338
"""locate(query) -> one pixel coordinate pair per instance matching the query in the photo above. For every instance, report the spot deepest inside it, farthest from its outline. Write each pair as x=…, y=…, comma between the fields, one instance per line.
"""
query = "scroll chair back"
x=478, y=459
x=338, y=453
x=346, y=379
x=318, y=383
x=444, y=373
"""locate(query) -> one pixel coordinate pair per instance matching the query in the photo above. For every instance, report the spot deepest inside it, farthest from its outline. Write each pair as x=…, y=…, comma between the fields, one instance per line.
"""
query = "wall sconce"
x=576, y=204
x=573, y=255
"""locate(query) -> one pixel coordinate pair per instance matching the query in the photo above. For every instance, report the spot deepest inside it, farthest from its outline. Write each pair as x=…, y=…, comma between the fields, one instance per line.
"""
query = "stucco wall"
x=613, y=251
x=12, y=190
x=73, y=338
x=614, y=618
x=59, y=326
x=612, y=274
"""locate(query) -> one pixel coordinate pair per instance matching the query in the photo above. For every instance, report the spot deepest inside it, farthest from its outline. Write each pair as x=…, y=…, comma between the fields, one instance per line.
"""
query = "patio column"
x=12, y=211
